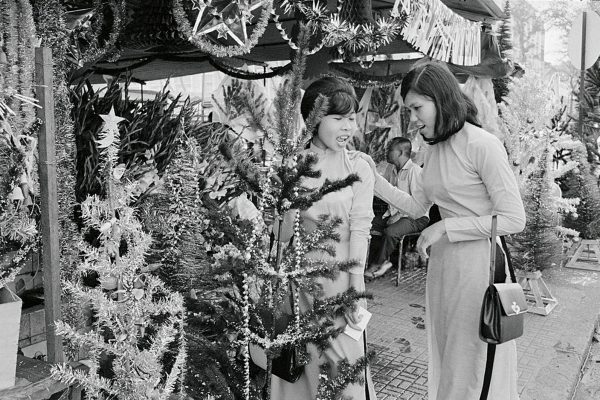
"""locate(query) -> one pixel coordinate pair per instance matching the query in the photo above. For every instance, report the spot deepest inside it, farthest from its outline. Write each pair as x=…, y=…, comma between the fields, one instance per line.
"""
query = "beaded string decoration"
x=246, y=333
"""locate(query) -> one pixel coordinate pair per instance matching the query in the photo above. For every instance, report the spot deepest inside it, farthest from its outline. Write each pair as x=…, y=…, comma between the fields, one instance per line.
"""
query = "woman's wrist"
x=357, y=280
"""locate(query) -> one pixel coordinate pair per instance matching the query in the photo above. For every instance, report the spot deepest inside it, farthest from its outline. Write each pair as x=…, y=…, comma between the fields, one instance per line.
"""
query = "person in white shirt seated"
x=401, y=172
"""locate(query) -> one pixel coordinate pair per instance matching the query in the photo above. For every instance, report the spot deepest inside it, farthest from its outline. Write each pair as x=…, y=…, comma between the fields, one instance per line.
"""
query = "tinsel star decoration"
x=231, y=20
x=110, y=130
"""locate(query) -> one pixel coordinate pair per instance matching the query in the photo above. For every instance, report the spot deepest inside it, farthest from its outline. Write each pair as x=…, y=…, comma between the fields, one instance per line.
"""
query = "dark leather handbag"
x=502, y=309
x=503, y=304
x=287, y=365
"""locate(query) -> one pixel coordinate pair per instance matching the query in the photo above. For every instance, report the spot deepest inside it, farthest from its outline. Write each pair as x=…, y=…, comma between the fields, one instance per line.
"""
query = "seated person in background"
x=401, y=172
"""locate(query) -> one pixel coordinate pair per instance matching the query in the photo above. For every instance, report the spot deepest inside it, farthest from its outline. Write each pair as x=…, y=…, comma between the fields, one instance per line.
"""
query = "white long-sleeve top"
x=469, y=178
x=354, y=204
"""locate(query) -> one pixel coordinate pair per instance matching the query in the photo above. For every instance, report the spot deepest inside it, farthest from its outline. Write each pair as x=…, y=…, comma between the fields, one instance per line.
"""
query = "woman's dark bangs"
x=342, y=103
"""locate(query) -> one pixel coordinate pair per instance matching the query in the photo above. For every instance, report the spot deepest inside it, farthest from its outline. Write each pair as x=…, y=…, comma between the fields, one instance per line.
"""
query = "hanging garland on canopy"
x=289, y=40
x=429, y=25
x=227, y=22
x=85, y=46
x=246, y=75
x=364, y=81
x=437, y=31
x=350, y=38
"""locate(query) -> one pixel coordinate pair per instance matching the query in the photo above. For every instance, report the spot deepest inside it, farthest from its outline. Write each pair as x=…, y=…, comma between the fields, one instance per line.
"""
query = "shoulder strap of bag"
x=508, y=260
x=491, y=348
x=487, y=377
x=493, y=249
x=367, y=395
x=493, y=253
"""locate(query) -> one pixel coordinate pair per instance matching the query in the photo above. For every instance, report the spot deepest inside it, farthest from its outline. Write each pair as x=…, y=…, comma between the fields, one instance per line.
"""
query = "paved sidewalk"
x=550, y=353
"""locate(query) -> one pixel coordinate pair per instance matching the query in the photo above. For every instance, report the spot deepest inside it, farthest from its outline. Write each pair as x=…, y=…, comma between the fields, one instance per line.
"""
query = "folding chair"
x=400, y=249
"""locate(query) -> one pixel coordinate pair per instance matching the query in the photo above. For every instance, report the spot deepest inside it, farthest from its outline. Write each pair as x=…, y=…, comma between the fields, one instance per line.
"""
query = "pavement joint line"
x=584, y=361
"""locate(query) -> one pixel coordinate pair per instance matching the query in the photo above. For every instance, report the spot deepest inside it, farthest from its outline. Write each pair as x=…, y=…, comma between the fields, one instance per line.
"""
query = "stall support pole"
x=49, y=201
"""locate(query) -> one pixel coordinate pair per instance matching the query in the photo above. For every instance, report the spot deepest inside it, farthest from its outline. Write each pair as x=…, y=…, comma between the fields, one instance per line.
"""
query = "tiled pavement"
x=396, y=332
x=550, y=352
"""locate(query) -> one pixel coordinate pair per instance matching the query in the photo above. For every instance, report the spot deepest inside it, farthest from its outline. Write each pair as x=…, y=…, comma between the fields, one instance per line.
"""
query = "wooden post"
x=582, y=75
x=49, y=200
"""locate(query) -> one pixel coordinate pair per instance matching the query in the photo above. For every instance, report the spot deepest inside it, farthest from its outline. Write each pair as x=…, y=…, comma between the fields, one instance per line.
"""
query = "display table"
x=34, y=381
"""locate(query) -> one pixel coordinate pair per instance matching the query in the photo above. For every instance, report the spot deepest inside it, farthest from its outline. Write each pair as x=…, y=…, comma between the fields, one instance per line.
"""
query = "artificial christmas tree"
x=538, y=247
x=580, y=183
x=137, y=321
x=250, y=277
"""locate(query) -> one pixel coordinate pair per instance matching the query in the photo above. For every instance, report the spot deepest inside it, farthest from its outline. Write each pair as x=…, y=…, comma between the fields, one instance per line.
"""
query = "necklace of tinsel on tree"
x=135, y=345
x=261, y=274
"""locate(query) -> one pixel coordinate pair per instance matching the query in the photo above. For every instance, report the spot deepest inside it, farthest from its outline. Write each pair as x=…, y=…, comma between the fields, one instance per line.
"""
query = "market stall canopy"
x=150, y=45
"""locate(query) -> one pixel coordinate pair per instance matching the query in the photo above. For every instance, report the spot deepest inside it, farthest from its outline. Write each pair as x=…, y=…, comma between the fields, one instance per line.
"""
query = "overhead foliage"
x=147, y=135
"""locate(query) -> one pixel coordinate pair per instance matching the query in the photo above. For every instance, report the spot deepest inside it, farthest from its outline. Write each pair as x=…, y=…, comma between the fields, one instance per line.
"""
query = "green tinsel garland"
x=53, y=33
x=108, y=50
x=18, y=134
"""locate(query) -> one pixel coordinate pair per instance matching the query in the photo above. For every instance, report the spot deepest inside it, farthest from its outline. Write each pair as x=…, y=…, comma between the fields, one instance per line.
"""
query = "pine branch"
x=315, y=116
x=243, y=167
x=288, y=98
x=303, y=203
x=346, y=373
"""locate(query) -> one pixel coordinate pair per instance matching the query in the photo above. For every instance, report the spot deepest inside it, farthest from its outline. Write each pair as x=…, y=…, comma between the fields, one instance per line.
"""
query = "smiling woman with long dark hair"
x=466, y=173
x=354, y=206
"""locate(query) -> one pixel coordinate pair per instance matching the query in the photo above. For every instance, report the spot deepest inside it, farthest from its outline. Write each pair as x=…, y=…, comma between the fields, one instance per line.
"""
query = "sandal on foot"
x=382, y=270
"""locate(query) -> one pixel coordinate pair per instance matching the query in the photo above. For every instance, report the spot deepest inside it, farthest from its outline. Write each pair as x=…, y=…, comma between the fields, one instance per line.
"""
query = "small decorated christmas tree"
x=538, y=246
x=137, y=321
x=250, y=276
x=580, y=183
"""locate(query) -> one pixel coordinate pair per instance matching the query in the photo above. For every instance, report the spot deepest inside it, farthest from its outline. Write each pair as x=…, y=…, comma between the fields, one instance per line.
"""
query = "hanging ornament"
x=110, y=130
x=221, y=27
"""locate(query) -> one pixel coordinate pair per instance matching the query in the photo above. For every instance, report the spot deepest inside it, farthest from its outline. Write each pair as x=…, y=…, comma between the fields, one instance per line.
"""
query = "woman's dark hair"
x=341, y=96
x=453, y=108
